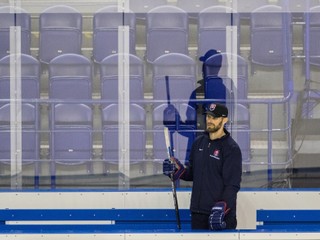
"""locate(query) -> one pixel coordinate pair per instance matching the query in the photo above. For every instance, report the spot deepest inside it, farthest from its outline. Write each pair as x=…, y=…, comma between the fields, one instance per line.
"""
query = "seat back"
x=245, y=7
x=60, y=29
x=232, y=69
x=29, y=133
x=30, y=77
x=109, y=77
x=271, y=49
x=166, y=32
x=71, y=134
x=312, y=36
x=110, y=125
x=194, y=7
x=179, y=72
x=141, y=7
x=106, y=23
x=213, y=29
x=70, y=77
x=10, y=17
x=268, y=43
x=240, y=130
x=182, y=127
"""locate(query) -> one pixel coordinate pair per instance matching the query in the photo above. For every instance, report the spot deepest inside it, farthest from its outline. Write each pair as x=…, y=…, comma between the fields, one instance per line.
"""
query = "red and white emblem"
x=212, y=107
x=216, y=153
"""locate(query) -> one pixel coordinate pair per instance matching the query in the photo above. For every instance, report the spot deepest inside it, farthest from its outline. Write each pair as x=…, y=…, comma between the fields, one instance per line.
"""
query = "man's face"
x=214, y=123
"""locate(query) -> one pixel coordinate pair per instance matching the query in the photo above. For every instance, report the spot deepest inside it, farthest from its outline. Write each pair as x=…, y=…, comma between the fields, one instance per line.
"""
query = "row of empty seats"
x=60, y=31
x=71, y=77
x=167, y=30
x=71, y=134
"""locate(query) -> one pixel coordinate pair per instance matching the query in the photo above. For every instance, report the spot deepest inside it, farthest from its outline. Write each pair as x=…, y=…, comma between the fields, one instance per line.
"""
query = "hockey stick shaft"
x=169, y=105
x=168, y=90
x=174, y=192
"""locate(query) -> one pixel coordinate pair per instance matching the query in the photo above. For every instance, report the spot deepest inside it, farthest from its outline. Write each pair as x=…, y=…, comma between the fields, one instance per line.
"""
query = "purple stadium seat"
x=182, y=132
x=212, y=32
x=60, y=32
x=239, y=127
x=30, y=138
x=194, y=7
x=166, y=32
x=106, y=22
x=10, y=17
x=180, y=71
x=71, y=136
x=312, y=36
x=70, y=77
x=245, y=7
x=271, y=45
x=141, y=7
x=220, y=66
x=30, y=77
x=110, y=126
x=109, y=78
x=267, y=36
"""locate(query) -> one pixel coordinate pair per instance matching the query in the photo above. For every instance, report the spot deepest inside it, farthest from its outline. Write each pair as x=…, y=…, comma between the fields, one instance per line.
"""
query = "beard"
x=211, y=128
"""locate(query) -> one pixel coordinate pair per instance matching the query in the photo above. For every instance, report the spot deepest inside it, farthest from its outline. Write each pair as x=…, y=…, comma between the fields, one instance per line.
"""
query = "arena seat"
x=60, y=31
x=109, y=78
x=175, y=71
x=13, y=16
x=268, y=23
x=106, y=22
x=212, y=29
x=71, y=137
x=30, y=77
x=182, y=133
x=110, y=126
x=30, y=140
x=167, y=31
x=232, y=69
x=68, y=72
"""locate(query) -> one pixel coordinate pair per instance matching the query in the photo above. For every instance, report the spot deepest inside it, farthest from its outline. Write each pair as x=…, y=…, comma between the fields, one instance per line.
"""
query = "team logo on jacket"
x=215, y=154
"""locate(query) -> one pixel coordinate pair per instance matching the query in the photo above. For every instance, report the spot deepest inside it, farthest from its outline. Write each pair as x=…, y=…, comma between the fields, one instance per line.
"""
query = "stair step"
x=305, y=160
x=308, y=127
x=306, y=166
x=303, y=182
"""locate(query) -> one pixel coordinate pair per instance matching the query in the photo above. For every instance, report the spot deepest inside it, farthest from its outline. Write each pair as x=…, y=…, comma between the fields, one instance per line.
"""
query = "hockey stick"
x=167, y=88
x=169, y=145
x=174, y=192
x=170, y=108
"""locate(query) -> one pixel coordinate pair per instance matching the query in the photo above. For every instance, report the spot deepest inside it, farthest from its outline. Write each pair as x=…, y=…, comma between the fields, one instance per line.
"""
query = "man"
x=215, y=167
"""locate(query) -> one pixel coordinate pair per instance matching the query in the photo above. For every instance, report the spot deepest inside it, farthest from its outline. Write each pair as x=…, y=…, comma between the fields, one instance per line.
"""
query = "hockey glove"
x=173, y=167
x=216, y=218
x=168, y=167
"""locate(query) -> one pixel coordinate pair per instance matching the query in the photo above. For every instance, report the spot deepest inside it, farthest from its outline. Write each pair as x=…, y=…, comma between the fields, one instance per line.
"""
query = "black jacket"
x=215, y=167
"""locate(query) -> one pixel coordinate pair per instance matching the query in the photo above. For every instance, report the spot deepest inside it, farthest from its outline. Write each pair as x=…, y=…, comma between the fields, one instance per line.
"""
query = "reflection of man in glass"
x=211, y=87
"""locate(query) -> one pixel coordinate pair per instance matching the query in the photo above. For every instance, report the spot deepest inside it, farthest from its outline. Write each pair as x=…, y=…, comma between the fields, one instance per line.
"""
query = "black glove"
x=216, y=218
x=168, y=167
x=173, y=166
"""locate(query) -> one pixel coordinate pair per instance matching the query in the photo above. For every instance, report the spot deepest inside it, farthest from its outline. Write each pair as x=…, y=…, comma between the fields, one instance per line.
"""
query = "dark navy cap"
x=208, y=54
x=217, y=110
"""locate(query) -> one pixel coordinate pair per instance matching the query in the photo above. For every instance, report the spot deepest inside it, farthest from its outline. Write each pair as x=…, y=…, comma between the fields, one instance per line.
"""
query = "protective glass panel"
x=87, y=89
